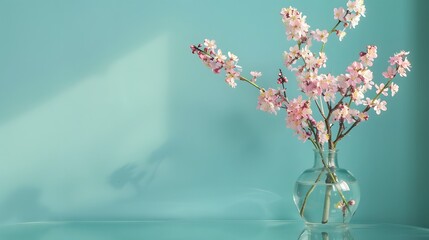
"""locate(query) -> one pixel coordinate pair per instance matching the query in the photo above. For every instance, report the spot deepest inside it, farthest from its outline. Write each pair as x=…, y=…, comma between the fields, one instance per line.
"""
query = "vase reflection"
x=325, y=234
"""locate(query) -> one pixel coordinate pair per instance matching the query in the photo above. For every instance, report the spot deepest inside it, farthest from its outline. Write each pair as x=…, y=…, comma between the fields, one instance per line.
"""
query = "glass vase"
x=326, y=195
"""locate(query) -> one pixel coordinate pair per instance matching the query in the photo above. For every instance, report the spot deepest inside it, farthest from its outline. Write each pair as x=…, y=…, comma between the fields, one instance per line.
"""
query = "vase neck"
x=326, y=158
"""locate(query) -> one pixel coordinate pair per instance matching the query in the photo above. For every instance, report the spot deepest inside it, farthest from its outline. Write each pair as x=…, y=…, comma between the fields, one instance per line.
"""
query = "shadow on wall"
x=140, y=173
x=74, y=141
x=23, y=205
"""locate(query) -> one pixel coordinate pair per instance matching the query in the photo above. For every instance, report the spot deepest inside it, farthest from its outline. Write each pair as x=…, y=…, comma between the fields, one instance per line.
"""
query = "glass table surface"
x=228, y=229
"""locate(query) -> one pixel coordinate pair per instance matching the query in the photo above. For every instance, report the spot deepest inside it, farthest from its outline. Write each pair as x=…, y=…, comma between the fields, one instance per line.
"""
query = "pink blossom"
x=215, y=66
x=394, y=89
x=329, y=87
x=291, y=56
x=305, y=51
x=206, y=59
x=356, y=115
x=210, y=44
x=296, y=26
x=322, y=134
x=402, y=63
x=372, y=51
x=295, y=51
x=379, y=106
x=298, y=113
x=358, y=96
x=270, y=101
x=355, y=67
x=323, y=137
x=340, y=34
x=351, y=6
x=232, y=57
x=320, y=126
x=366, y=74
x=355, y=9
x=368, y=57
x=403, y=67
x=310, y=84
x=255, y=75
x=231, y=77
x=311, y=61
x=321, y=60
x=381, y=89
x=342, y=113
x=390, y=73
x=229, y=65
x=216, y=60
x=230, y=80
x=353, y=19
x=339, y=14
x=368, y=102
x=327, y=82
x=320, y=35
x=356, y=6
x=395, y=59
x=362, y=116
x=354, y=76
x=343, y=83
x=233, y=71
x=219, y=56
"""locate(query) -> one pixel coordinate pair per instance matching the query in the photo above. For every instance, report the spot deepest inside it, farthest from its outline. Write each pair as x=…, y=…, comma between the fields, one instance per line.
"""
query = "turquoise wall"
x=105, y=114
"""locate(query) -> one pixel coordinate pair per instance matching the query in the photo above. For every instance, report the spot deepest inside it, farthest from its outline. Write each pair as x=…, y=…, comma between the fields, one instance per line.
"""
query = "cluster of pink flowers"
x=299, y=117
x=350, y=17
x=216, y=60
x=270, y=100
x=400, y=61
x=296, y=27
x=320, y=35
x=340, y=95
x=344, y=113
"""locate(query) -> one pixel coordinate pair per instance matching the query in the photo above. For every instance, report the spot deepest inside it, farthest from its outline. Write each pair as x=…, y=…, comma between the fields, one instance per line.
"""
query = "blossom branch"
x=342, y=135
x=252, y=83
x=217, y=61
x=332, y=30
x=368, y=107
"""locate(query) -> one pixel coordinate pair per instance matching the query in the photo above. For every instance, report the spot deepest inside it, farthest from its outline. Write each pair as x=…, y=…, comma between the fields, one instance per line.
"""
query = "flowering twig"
x=251, y=83
x=367, y=108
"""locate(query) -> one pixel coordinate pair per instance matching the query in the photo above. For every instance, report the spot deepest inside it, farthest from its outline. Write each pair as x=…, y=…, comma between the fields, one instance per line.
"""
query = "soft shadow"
x=140, y=173
x=23, y=205
x=87, y=132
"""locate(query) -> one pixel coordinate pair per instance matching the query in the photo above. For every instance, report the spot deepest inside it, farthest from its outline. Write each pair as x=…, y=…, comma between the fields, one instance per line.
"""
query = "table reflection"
x=207, y=230
x=326, y=234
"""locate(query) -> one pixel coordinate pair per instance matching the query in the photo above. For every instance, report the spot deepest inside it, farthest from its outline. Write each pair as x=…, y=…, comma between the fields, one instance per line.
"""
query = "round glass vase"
x=326, y=195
